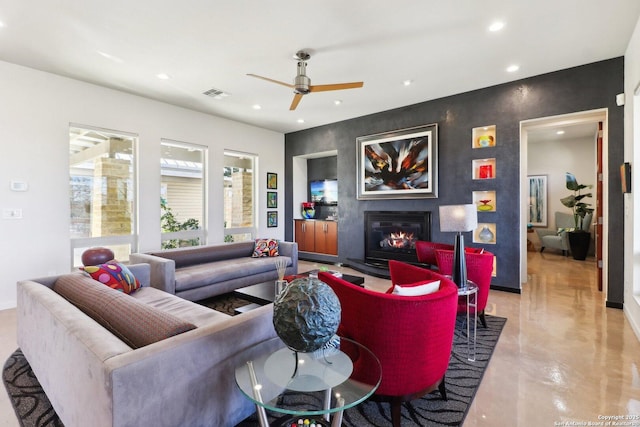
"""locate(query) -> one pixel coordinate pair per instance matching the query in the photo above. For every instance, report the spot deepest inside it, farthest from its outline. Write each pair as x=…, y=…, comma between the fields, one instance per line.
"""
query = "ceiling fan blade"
x=336, y=86
x=272, y=80
x=296, y=100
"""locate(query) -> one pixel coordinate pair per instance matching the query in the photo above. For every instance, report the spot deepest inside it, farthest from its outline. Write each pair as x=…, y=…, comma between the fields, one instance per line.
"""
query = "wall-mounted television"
x=324, y=192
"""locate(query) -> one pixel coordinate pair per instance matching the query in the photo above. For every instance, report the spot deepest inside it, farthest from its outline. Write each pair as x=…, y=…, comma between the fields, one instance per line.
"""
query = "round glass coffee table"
x=308, y=386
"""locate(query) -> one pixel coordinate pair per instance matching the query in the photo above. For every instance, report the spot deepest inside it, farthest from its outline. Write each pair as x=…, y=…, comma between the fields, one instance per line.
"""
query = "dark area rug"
x=226, y=303
x=463, y=378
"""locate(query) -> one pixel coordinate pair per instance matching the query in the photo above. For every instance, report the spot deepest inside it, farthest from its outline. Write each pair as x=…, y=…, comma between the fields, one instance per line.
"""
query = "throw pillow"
x=265, y=247
x=420, y=288
x=114, y=275
x=135, y=323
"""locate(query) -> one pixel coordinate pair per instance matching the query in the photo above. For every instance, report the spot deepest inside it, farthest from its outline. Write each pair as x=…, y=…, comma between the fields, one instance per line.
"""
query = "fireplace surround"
x=392, y=235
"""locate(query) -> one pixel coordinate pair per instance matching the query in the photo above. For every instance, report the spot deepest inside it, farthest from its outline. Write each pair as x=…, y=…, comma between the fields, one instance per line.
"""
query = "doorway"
x=574, y=125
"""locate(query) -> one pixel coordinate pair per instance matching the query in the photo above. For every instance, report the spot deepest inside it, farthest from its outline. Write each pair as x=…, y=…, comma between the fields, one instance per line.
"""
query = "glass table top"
x=305, y=384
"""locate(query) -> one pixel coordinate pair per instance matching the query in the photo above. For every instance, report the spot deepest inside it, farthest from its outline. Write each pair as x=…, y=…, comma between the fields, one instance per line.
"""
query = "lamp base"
x=459, y=273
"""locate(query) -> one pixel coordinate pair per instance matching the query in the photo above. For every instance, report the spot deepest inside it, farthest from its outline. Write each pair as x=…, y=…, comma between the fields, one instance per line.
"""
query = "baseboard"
x=506, y=289
x=6, y=305
x=611, y=304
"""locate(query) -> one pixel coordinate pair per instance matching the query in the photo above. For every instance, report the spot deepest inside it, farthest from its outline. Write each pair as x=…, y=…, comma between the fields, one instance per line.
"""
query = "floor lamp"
x=458, y=219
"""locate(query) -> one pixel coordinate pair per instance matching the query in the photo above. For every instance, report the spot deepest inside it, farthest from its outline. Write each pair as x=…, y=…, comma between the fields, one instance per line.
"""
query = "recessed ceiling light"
x=163, y=76
x=513, y=68
x=1, y=24
x=496, y=26
x=337, y=102
x=300, y=120
x=407, y=82
x=560, y=132
x=257, y=107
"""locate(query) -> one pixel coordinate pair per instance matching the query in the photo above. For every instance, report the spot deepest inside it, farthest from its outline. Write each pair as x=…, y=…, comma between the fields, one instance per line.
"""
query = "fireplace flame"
x=400, y=240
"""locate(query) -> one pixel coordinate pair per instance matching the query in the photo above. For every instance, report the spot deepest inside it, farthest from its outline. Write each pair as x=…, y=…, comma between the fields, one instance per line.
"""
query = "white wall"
x=35, y=111
x=554, y=159
x=631, y=202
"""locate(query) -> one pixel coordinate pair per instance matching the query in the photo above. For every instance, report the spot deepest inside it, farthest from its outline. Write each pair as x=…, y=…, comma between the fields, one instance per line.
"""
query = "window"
x=182, y=194
x=102, y=191
x=239, y=197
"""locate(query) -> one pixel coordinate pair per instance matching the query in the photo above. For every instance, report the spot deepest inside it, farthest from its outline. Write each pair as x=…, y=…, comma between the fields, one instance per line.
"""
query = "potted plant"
x=579, y=238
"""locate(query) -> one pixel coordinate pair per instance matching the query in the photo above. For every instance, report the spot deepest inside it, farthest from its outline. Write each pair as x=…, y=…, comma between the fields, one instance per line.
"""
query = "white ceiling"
x=443, y=46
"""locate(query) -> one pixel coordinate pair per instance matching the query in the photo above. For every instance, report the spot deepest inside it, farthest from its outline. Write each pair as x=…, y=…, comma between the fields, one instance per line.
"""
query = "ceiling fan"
x=302, y=83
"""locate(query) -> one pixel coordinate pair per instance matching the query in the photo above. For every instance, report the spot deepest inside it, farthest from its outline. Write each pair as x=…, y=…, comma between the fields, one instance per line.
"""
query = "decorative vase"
x=308, y=210
x=486, y=235
x=579, y=242
x=96, y=256
x=306, y=314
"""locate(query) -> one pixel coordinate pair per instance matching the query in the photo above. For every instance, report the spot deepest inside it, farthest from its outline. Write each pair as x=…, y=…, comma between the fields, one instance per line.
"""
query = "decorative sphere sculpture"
x=306, y=314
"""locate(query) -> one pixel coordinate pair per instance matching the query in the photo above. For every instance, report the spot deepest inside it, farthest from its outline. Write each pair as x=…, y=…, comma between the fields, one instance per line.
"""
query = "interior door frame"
x=592, y=116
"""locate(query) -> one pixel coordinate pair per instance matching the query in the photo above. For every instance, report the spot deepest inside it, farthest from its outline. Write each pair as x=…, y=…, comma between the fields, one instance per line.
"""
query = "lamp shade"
x=458, y=218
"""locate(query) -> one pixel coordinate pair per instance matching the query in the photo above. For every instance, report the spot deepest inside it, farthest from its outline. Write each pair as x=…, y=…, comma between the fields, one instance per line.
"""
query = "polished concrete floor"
x=563, y=358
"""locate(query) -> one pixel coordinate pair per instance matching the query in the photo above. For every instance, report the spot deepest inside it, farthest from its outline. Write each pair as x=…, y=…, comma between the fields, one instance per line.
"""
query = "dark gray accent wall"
x=583, y=88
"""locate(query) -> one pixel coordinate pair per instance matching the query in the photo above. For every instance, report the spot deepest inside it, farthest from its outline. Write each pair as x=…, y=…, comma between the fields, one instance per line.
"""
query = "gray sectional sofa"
x=93, y=378
x=200, y=272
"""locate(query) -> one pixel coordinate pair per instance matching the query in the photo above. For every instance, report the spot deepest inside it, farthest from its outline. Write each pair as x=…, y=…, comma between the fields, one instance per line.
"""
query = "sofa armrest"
x=196, y=363
x=289, y=249
x=163, y=271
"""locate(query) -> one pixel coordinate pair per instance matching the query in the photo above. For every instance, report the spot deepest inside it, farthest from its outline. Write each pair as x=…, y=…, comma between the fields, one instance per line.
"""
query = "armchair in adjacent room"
x=479, y=271
x=412, y=336
x=557, y=238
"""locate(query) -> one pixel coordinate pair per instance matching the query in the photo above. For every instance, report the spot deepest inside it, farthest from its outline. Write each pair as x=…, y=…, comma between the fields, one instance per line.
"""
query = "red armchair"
x=412, y=336
x=479, y=271
x=426, y=251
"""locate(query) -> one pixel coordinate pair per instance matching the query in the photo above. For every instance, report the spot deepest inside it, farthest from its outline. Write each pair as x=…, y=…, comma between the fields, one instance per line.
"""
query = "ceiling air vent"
x=216, y=93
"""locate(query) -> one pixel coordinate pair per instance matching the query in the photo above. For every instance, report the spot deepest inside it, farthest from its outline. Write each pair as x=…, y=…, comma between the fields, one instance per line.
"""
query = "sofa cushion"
x=196, y=276
x=184, y=257
x=115, y=275
x=132, y=321
x=265, y=247
x=197, y=314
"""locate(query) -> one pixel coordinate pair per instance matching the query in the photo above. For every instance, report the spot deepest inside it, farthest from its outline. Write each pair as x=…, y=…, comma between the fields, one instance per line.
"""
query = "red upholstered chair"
x=479, y=271
x=426, y=251
x=412, y=336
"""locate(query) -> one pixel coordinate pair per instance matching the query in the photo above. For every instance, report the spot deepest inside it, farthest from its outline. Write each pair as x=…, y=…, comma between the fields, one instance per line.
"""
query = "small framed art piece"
x=272, y=181
x=625, y=177
x=272, y=199
x=272, y=219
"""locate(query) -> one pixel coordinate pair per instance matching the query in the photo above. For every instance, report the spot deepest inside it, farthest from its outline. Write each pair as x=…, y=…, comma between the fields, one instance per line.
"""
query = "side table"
x=471, y=292
x=323, y=382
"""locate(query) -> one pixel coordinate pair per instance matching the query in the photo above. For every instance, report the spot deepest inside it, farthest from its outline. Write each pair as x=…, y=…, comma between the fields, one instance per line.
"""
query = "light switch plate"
x=12, y=213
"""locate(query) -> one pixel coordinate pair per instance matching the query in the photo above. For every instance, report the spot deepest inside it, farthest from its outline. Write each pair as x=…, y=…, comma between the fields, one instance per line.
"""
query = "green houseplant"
x=579, y=238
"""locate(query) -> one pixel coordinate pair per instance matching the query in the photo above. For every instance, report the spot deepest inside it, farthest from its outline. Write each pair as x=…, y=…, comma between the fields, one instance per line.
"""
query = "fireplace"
x=392, y=235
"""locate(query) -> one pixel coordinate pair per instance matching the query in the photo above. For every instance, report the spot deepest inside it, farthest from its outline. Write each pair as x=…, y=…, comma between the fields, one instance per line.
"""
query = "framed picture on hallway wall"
x=401, y=164
x=538, y=200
